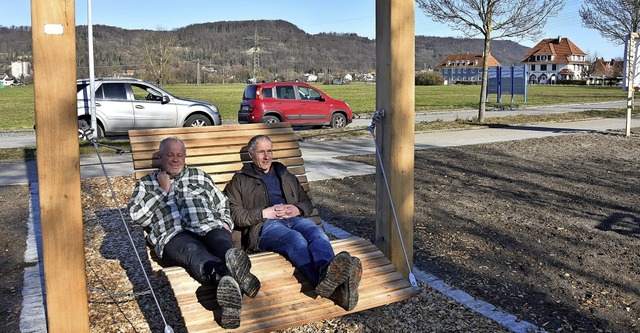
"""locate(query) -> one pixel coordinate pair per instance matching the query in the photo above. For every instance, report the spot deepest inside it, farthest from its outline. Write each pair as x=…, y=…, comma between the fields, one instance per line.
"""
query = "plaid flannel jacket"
x=193, y=203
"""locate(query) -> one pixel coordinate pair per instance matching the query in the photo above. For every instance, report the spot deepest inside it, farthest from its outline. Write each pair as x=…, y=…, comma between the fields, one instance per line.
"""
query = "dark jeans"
x=301, y=241
x=203, y=256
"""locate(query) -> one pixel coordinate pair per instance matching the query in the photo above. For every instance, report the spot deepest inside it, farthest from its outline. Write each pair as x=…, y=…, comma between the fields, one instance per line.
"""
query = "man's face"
x=263, y=155
x=172, y=159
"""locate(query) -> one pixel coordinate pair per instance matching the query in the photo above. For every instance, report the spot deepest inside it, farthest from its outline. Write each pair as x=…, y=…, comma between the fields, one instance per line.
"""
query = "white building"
x=310, y=77
x=5, y=80
x=555, y=59
x=20, y=69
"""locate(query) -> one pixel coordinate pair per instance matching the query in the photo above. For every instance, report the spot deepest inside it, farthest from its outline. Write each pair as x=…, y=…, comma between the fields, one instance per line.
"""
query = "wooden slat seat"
x=286, y=298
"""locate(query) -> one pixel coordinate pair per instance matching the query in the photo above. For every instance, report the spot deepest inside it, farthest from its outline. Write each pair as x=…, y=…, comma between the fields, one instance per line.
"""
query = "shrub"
x=572, y=82
x=429, y=79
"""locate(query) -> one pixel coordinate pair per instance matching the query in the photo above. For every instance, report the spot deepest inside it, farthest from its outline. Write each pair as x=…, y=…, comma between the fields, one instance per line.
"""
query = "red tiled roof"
x=466, y=61
x=561, y=47
x=611, y=68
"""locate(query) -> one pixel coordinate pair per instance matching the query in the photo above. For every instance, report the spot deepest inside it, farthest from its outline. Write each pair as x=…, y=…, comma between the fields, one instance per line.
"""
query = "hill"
x=228, y=50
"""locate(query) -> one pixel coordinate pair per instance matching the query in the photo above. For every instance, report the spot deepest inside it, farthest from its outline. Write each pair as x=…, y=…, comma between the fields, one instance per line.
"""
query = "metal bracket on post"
x=375, y=119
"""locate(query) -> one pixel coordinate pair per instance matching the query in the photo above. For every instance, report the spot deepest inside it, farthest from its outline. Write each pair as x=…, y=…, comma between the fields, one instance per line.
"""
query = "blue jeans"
x=301, y=241
x=203, y=256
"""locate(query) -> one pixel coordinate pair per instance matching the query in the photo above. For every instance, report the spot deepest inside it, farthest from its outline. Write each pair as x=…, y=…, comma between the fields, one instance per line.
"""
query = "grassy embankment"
x=17, y=105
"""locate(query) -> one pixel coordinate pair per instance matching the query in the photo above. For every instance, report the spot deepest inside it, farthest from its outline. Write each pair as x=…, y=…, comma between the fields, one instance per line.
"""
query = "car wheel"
x=197, y=120
x=100, y=132
x=270, y=120
x=338, y=120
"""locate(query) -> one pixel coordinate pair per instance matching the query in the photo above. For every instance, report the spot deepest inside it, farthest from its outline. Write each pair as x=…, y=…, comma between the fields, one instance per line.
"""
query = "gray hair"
x=251, y=146
x=164, y=141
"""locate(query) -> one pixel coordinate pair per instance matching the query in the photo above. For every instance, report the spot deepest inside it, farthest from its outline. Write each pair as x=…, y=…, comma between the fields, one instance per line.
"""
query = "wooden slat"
x=286, y=298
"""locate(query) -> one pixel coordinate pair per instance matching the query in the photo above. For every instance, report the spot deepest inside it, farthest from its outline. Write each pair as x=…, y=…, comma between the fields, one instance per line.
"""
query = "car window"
x=285, y=92
x=250, y=92
x=145, y=93
x=267, y=93
x=308, y=93
x=111, y=91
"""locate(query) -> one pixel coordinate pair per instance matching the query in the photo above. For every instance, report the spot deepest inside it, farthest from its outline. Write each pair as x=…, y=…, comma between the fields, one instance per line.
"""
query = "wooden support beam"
x=54, y=66
x=395, y=94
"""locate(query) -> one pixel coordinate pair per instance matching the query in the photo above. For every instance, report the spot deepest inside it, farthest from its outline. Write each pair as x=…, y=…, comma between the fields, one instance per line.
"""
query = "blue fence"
x=511, y=79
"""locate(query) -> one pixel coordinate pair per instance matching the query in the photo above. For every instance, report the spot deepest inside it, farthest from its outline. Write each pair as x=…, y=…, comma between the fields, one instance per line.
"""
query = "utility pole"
x=256, y=52
x=198, y=73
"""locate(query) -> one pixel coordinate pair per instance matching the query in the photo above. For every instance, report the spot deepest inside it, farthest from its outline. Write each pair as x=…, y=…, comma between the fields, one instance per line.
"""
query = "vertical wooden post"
x=395, y=94
x=54, y=66
x=631, y=78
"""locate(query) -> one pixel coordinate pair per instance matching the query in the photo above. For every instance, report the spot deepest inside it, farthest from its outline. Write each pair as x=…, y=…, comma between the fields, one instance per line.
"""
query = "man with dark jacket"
x=271, y=209
x=189, y=225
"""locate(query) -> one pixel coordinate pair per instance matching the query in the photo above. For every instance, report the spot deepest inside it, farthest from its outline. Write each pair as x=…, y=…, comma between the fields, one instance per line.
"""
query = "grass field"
x=17, y=103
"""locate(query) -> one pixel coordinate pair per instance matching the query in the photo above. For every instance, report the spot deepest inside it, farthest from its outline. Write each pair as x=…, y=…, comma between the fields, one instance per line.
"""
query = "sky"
x=341, y=16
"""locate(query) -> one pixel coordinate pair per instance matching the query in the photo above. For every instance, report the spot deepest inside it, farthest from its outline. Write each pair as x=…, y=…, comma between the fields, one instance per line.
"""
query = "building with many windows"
x=20, y=69
x=463, y=67
x=555, y=59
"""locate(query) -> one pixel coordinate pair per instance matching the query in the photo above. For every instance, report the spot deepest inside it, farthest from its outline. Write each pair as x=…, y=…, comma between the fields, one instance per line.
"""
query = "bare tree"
x=614, y=19
x=158, y=53
x=492, y=19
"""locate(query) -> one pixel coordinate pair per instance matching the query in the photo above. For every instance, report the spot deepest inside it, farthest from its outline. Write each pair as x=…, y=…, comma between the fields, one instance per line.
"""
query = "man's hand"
x=280, y=211
x=164, y=180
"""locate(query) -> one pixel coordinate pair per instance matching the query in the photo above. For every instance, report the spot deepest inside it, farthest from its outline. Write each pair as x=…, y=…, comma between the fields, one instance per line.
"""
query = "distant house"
x=463, y=67
x=368, y=77
x=5, y=80
x=310, y=77
x=605, y=72
x=555, y=59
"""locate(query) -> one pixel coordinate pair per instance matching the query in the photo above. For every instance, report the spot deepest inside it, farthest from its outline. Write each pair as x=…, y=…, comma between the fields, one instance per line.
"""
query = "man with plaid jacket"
x=189, y=225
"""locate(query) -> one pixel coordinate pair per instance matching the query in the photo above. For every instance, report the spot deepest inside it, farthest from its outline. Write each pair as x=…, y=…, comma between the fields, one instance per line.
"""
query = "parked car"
x=125, y=103
x=295, y=102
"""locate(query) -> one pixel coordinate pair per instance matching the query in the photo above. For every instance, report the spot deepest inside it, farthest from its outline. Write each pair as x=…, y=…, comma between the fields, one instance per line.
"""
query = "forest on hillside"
x=233, y=51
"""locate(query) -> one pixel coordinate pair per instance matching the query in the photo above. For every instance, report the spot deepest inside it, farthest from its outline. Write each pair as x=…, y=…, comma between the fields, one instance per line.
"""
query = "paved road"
x=17, y=139
x=319, y=155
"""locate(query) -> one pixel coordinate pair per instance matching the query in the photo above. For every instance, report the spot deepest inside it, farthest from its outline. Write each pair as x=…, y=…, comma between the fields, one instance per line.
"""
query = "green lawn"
x=17, y=103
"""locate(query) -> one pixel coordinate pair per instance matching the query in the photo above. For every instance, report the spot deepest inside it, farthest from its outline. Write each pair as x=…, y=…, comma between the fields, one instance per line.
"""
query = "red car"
x=297, y=103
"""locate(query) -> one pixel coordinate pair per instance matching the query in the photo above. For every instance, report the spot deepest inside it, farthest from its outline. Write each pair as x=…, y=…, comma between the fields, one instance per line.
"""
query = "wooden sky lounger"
x=286, y=298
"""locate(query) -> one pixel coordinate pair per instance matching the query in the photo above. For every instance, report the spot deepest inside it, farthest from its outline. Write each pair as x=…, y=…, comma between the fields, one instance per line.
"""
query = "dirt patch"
x=545, y=229
x=14, y=215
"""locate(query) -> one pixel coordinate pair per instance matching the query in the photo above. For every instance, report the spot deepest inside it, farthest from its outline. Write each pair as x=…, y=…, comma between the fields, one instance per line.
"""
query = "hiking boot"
x=346, y=295
x=336, y=273
x=230, y=300
x=239, y=267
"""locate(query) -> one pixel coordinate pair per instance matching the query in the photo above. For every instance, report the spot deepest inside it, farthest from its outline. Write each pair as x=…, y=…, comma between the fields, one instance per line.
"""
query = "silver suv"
x=123, y=104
